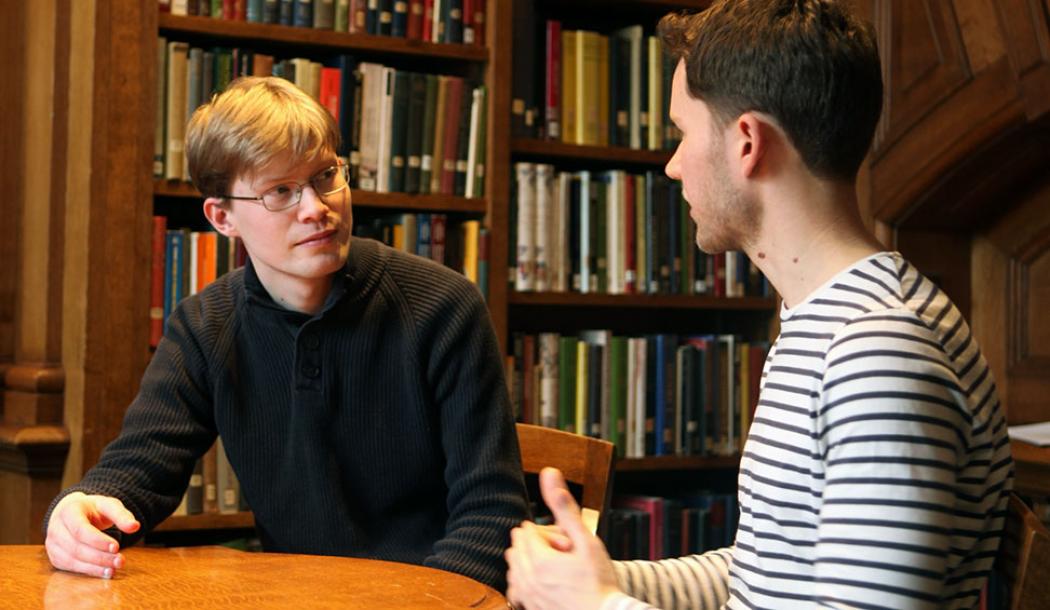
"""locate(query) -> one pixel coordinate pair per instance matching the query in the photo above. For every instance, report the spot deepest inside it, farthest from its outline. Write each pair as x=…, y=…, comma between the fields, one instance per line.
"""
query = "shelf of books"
x=304, y=37
x=641, y=301
x=360, y=199
x=534, y=148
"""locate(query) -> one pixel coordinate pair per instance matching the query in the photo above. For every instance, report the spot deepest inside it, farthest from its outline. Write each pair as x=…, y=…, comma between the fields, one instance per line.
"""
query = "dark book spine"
x=454, y=22
x=459, y=179
x=523, y=80
x=399, y=22
x=287, y=12
x=399, y=131
x=271, y=12
x=372, y=17
x=417, y=98
x=304, y=14
x=386, y=18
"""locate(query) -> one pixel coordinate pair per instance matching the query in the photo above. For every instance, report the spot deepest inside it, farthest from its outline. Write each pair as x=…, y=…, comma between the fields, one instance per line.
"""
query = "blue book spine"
x=304, y=13
x=660, y=408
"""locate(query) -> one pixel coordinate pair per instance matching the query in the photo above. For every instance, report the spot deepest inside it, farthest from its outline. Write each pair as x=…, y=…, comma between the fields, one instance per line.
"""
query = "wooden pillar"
x=33, y=443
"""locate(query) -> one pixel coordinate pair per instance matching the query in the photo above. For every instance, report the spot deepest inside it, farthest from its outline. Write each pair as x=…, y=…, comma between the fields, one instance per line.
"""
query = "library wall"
x=959, y=171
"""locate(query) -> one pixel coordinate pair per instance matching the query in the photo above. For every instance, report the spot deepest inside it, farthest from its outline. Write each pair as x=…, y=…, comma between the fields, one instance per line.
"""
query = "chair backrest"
x=585, y=461
x=1023, y=562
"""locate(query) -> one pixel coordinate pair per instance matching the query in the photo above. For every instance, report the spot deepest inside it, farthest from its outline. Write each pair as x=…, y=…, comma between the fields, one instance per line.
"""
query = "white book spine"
x=549, y=381
x=526, y=255
x=585, y=233
x=543, y=226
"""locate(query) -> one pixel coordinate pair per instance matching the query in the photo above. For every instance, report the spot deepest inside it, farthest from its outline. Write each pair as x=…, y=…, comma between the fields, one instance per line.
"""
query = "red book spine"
x=479, y=22
x=156, y=296
x=468, y=21
x=438, y=224
x=452, y=118
x=720, y=274
x=229, y=9
x=553, y=85
x=331, y=84
x=428, y=20
x=415, y=20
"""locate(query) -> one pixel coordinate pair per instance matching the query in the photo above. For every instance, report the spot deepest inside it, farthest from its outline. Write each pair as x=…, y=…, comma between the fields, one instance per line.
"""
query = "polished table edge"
x=31, y=578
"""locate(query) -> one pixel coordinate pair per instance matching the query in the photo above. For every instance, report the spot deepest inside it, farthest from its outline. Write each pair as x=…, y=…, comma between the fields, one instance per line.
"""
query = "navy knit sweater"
x=379, y=427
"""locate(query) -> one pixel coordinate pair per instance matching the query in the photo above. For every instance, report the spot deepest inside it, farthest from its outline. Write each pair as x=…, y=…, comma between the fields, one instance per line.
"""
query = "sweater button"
x=311, y=341
x=311, y=371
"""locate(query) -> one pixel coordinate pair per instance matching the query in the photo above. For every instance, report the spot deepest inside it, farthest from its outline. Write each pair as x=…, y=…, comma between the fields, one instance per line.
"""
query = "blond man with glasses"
x=357, y=389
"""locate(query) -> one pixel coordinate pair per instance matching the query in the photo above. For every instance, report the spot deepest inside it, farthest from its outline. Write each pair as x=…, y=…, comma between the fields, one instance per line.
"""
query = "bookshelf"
x=361, y=199
x=569, y=310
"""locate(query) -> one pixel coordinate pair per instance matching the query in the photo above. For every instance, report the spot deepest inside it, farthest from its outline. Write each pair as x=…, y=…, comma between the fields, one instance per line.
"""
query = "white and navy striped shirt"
x=876, y=471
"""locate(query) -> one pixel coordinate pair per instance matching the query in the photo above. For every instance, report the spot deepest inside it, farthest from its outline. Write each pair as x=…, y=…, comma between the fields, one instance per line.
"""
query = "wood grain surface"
x=219, y=577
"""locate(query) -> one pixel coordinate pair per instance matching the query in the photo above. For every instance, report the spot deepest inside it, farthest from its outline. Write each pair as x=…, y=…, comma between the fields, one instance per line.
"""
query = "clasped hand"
x=563, y=566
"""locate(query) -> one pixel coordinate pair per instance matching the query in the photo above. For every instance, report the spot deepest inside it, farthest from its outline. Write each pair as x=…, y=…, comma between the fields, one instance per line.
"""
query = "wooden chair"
x=1022, y=565
x=585, y=461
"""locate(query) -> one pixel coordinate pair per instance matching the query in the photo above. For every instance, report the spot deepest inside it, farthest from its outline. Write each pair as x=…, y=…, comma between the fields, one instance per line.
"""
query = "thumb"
x=113, y=510
x=563, y=506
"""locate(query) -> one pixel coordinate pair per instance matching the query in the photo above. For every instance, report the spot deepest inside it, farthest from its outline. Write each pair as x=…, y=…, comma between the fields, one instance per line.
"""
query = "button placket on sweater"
x=308, y=357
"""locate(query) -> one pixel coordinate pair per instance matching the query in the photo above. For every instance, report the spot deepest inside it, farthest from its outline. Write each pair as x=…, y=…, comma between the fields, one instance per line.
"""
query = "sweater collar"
x=358, y=277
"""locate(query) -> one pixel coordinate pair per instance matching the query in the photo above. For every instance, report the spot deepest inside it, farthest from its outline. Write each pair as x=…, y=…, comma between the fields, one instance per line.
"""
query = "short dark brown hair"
x=810, y=64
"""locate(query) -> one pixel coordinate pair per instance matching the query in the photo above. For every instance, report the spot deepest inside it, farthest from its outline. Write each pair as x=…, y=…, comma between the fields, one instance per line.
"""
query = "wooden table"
x=218, y=577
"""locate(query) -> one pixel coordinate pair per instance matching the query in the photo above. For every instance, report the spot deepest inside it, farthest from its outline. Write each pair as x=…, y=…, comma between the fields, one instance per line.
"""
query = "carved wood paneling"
x=1011, y=278
x=1028, y=337
x=938, y=113
x=924, y=62
x=1026, y=26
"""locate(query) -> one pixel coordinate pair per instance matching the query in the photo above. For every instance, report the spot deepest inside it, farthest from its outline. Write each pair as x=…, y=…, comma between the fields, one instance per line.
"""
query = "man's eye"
x=282, y=189
x=327, y=174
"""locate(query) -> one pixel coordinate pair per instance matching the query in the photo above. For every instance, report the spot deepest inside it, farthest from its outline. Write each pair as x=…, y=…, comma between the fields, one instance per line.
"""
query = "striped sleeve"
x=894, y=436
x=696, y=582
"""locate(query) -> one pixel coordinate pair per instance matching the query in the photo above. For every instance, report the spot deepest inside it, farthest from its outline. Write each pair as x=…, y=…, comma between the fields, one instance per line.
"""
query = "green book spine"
x=567, y=384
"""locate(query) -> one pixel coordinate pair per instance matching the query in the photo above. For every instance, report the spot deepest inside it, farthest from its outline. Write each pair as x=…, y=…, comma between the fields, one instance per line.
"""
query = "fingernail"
x=112, y=547
x=107, y=573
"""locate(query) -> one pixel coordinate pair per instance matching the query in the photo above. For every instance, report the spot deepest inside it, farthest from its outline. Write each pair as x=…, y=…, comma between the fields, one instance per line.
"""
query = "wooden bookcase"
x=753, y=317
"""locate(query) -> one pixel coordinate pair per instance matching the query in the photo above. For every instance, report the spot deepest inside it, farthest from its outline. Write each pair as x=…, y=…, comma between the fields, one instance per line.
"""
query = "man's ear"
x=220, y=217
x=751, y=142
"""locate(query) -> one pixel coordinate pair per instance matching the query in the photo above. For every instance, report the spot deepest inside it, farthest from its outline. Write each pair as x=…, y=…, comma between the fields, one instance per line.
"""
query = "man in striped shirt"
x=876, y=471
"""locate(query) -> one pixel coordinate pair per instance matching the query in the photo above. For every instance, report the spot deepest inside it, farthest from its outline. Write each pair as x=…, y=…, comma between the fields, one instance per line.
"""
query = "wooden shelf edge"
x=365, y=199
x=677, y=462
x=553, y=149
x=309, y=37
x=639, y=301
x=207, y=521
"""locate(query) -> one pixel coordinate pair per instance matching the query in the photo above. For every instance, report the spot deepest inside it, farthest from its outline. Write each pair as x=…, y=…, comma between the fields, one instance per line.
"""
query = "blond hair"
x=250, y=124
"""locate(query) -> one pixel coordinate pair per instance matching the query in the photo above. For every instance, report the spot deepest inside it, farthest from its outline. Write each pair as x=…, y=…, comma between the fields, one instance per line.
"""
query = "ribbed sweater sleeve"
x=460, y=358
x=165, y=429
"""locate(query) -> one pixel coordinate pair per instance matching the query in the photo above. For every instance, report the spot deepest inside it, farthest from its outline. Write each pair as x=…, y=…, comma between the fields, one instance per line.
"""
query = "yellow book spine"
x=471, y=229
x=581, y=387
